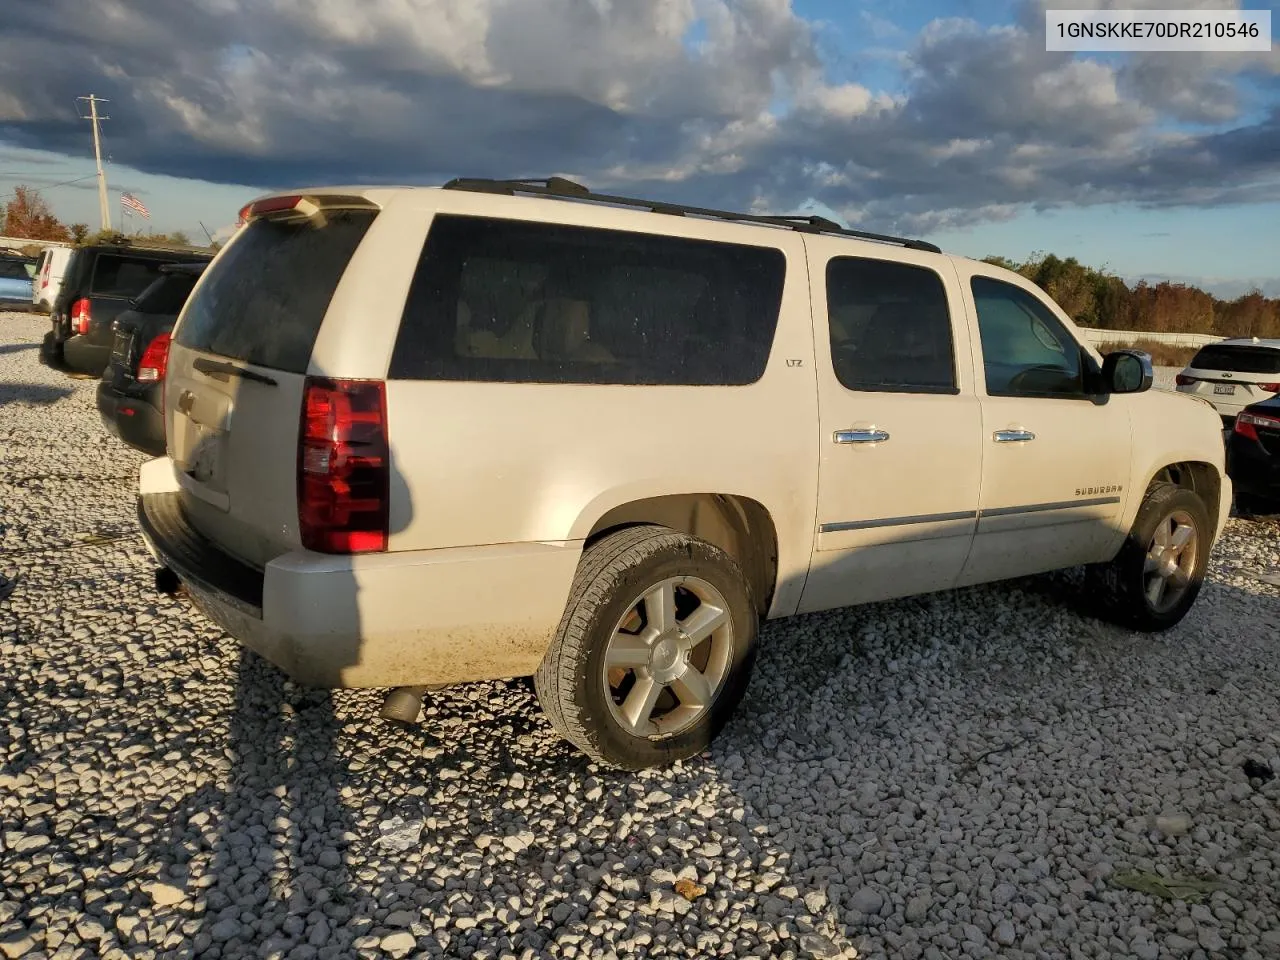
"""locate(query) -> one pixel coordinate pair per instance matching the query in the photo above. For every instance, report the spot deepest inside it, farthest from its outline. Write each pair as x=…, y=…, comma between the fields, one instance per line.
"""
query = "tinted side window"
x=265, y=297
x=167, y=294
x=1237, y=359
x=1025, y=349
x=117, y=276
x=510, y=301
x=13, y=270
x=890, y=327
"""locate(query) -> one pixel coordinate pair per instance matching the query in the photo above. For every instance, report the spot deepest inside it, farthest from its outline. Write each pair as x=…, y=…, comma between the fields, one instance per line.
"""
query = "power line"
x=6, y=175
x=50, y=186
x=4, y=198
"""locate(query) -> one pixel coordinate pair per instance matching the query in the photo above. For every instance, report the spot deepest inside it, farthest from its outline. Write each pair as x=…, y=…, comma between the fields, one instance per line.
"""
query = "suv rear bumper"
x=385, y=620
x=131, y=415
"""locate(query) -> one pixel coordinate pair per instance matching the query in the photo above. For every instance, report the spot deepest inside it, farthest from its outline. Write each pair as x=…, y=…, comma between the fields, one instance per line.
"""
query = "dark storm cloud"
x=282, y=92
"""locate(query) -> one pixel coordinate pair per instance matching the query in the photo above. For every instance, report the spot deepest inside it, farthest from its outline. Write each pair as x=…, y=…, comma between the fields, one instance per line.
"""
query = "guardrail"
x=1132, y=336
x=27, y=241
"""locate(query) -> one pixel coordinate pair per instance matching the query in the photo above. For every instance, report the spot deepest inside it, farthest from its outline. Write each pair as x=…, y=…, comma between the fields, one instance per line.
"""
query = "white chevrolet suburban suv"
x=506, y=428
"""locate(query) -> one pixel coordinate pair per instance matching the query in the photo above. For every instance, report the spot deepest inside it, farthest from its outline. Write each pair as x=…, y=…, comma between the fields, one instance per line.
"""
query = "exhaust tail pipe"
x=403, y=705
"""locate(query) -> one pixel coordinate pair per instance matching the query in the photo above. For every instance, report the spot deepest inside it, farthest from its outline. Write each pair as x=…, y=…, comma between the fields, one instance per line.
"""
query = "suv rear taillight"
x=344, y=467
x=154, y=359
x=1183, y=380
x=1247, y=424
x=80, y=316
x=1268, y=387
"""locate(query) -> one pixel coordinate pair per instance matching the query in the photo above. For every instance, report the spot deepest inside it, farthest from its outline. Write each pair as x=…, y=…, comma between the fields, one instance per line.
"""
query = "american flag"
x=134, y=204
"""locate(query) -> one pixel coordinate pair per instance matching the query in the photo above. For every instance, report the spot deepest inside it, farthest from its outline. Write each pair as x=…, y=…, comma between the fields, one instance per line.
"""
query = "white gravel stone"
x=163, y=894
x=892, y=785
x=1174, y=824
x=398, y=944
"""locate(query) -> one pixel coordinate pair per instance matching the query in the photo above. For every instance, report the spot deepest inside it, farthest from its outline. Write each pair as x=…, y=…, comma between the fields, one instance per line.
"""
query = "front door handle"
x=867, y=435
x=1012, y=436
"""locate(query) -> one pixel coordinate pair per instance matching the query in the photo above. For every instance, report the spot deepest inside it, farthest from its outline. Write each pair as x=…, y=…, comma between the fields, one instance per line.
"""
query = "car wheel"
x=1156, y=576
x=654, y=651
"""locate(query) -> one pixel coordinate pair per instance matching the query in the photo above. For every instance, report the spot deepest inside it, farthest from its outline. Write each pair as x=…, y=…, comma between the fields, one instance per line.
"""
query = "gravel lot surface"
x=968, y=774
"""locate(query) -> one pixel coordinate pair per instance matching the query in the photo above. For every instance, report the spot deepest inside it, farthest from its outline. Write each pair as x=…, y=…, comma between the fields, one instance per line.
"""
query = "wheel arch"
x=739, y=525
x=1200, y=477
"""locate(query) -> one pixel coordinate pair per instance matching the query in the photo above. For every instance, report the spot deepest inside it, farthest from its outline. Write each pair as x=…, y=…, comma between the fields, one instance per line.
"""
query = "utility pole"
x=103, y=204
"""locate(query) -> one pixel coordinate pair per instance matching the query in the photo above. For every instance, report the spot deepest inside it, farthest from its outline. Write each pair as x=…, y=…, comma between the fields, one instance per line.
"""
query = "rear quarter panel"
x=495, y=463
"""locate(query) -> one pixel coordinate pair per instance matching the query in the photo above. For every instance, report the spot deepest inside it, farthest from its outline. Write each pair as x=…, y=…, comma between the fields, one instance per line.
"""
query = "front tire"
x=1157, y=575
x=654, y=651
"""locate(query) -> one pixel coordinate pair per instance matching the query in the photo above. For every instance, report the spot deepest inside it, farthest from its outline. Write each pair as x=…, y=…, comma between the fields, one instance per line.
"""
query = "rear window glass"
x=509, y=301
x=167, y=294
x=1238, y=359
x=117, y=276
x=265, y=297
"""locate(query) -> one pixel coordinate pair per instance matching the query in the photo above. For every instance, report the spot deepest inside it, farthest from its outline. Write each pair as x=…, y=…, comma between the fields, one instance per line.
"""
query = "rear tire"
x=654, y=651
x=1157, y=575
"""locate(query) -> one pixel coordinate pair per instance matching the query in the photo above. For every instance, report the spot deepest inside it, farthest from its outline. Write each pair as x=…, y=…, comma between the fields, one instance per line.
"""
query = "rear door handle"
x=868, y=435
x=1013, y=436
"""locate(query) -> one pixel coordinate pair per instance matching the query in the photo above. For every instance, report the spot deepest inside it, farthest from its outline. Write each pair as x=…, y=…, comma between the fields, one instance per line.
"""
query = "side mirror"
x=1127, y=371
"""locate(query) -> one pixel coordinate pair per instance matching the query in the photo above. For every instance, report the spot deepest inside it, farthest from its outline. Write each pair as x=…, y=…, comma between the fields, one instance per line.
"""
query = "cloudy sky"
x=947, y=120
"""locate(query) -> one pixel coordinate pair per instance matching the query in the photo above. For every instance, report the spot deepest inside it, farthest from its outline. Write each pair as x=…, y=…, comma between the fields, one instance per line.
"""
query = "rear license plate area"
x=121, y=345
x=204, y=462
x=1224, y=388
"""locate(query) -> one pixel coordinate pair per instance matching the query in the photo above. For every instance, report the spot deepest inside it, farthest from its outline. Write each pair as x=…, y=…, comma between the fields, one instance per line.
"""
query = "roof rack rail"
x=562, y=188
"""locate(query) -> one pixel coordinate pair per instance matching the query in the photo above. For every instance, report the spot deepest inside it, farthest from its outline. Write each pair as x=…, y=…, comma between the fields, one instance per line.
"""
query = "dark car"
x=1253, y=457
x=100, y=283
x=130, y=395
x=15, y=282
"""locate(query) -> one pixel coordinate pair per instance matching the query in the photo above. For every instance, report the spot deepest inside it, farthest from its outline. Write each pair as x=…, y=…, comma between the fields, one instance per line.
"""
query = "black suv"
x=100, y=282
x=130, y=395
x=1253, y=457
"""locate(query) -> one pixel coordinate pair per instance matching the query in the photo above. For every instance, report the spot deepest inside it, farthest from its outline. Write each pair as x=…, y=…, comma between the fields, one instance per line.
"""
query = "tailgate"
x=237, y=373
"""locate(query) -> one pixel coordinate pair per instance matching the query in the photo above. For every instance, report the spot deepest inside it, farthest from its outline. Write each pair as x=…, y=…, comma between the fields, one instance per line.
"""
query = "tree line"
x=27, y=215
x=1098, y=299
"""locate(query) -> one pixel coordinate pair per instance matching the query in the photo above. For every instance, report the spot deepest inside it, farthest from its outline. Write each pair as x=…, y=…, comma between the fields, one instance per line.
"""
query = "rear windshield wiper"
x=220, y=371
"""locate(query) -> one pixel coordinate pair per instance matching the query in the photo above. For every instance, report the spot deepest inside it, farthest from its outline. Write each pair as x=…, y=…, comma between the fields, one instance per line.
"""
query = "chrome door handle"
x=1012, y=436
x=871, y=435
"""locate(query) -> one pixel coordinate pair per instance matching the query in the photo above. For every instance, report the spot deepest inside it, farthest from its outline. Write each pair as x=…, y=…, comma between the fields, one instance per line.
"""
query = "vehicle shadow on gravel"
x=32, y=393
x=506, y=845
x=16, y=347
x=803, y=817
